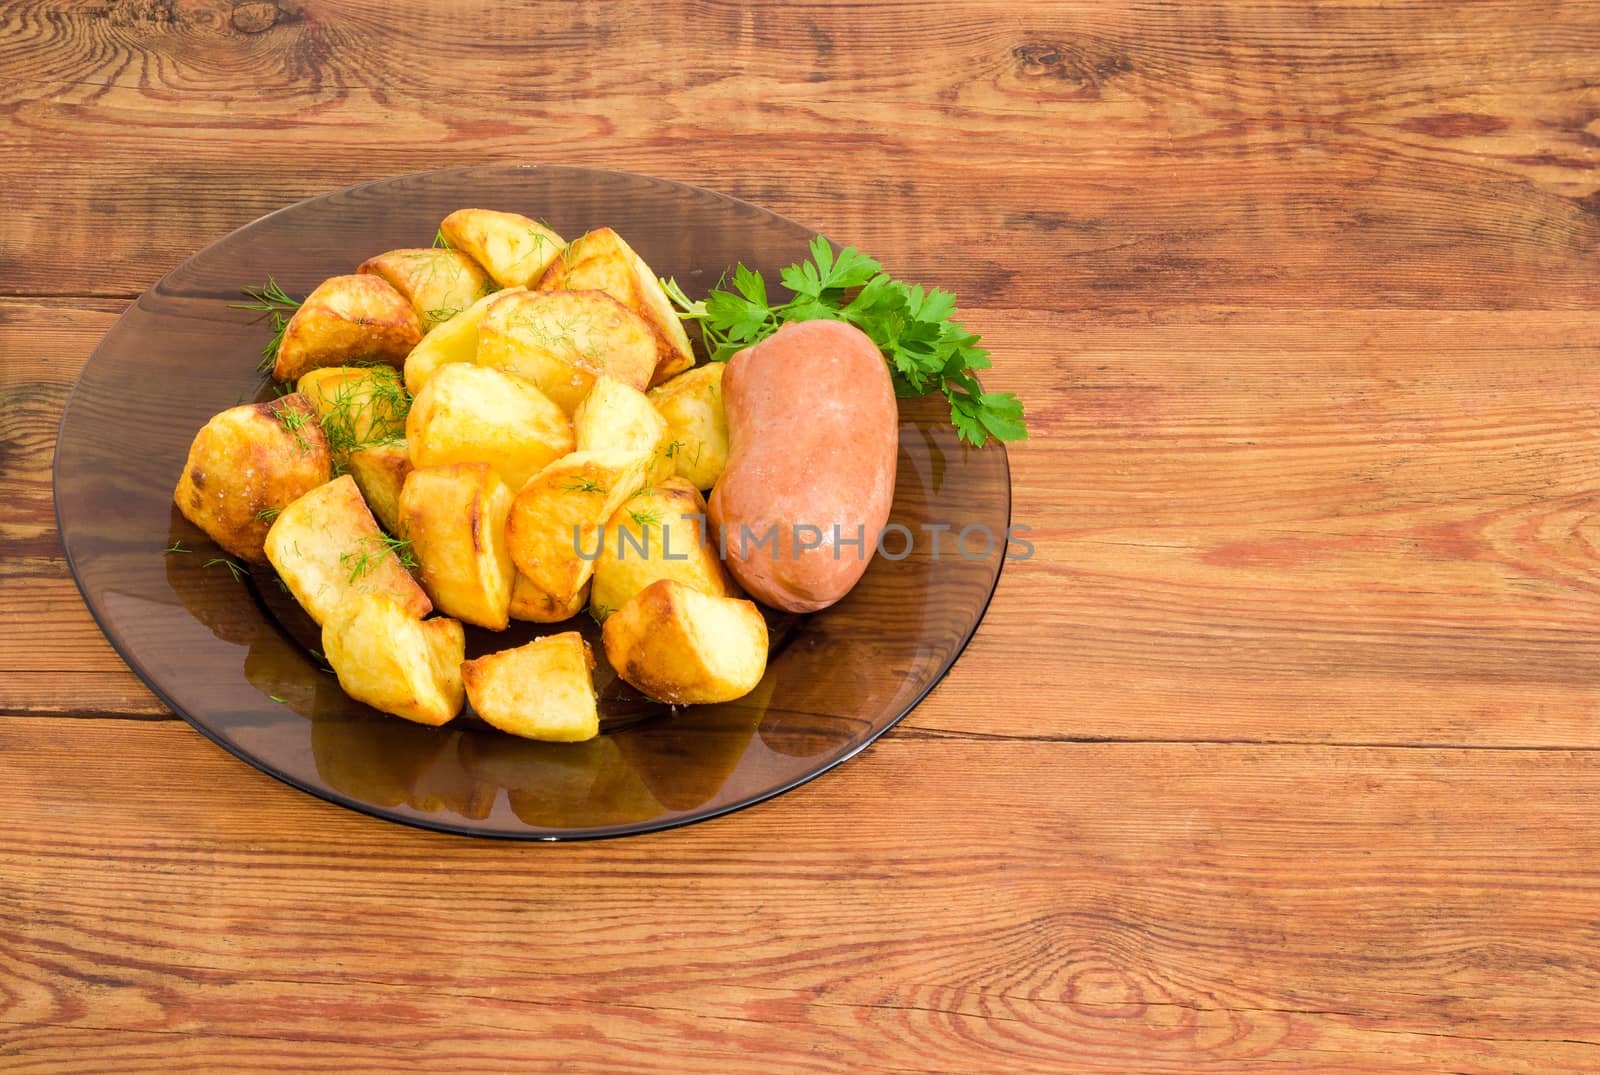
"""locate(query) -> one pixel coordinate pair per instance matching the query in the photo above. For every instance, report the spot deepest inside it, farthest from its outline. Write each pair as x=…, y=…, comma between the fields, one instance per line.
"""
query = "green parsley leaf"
x=926, y=348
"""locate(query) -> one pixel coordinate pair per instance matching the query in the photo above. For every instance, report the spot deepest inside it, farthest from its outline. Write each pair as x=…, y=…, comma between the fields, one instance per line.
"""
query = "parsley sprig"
x=915, y=328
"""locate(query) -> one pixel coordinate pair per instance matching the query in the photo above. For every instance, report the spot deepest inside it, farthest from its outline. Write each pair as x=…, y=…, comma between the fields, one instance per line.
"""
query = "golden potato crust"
x=455, y=341
x=619, y=417
x=347, y=319
x=327, y=548
x=532, y=605
x=392, y=661
x=562, y=340
x=601, y=260
x=542, y=690
x=455, y=518
x=469, y=414
x=684, y=647
x=515, y=250
x=439, y=283
x=247, y=464
x=659, y=534
x=380, y=473
x=560, y=512
x=697, y=424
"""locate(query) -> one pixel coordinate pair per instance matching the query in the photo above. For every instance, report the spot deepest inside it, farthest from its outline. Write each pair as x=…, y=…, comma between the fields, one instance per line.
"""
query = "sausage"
x=812, y=440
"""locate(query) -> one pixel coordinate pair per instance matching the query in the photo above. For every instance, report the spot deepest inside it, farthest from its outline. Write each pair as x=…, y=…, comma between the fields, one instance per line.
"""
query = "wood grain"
x=1278, y=755
x=1069, y=139
x=1181, y=930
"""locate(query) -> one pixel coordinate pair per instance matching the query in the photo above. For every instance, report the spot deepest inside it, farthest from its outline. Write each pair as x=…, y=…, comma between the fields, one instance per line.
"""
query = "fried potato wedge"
x=380, y=473
x=471, y=414
x=454, y=341
x=563, y=340
x=658, y=534
x=543, y=690
x=347, y=319
x=602, y=261
x=513, y=249
x=532, y=605
x=557, y=517
x=328, y=549
x=357, y=406
x=618, y=416
x=247, y=464
x=386, y=657
x=439, y=283
x=697, y=426
x=455, y=518
x=681, y=646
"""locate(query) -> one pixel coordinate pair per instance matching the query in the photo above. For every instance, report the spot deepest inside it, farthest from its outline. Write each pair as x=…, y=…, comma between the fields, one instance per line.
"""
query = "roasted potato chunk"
x=380, y=473
x=439, y=283
x=357, y=406
x=347, y=319
x=533, y=605
x=247, y=464
x=620, y=417
x=469, y=414
x=386, y=657
x=512, y=248
x=681, y=646
x=659, y=534
x=697, y=426
x=543, y=690
x=563, y=340
x=556, y=517
x=602, y=261
x=327, y=548
x=455, y=518
x=454, y=341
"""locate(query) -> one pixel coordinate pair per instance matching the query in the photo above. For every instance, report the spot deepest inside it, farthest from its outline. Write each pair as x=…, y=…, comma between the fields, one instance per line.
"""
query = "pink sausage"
x=812, y=440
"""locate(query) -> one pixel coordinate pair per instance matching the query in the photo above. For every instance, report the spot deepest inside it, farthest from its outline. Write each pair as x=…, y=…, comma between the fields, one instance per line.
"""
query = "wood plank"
x=1371, y=156
x=109, y=692
x=1396, y=550
x=1303, y=898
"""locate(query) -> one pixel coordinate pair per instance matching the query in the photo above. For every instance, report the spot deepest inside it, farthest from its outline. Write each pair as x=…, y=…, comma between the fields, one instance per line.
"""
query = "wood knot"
x=1084, y=67
x=255, y=16
x=1036, y=60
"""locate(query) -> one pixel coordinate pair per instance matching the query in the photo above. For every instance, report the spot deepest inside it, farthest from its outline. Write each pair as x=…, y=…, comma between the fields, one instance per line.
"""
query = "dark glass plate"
x=222, y=652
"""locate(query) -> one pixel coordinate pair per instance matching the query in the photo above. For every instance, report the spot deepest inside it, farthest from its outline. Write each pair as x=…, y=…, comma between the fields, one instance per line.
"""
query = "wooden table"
x=1279, y=755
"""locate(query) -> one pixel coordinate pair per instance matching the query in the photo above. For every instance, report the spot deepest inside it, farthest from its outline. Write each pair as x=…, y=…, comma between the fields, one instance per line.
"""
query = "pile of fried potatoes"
x=504, y=426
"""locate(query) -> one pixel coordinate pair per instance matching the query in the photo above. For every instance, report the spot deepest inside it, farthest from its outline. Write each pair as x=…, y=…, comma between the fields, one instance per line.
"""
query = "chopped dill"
x=274, y=304
x=362, y=412
x=440, y=242
x=177, y=546
x=294, y=420
x=584, y=485
x=235, y=568
x=266, y=515
x=644, y=519
x=439, y=315
x=365, y=562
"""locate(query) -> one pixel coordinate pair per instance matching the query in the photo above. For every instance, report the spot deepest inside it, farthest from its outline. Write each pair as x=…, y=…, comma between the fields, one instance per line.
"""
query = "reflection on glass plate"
x=235, y=658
